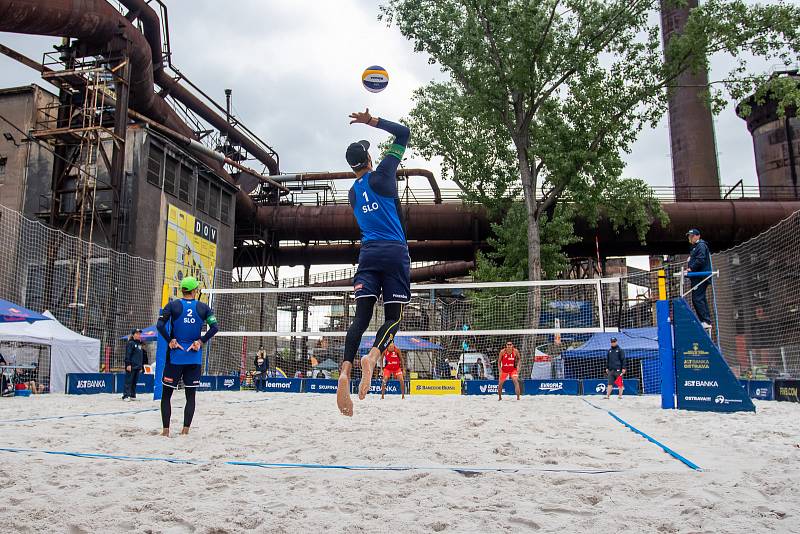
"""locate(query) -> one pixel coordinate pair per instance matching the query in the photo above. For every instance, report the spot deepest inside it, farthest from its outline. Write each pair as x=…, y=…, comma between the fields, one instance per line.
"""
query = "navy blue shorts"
x=174, y=372
x=384, y=269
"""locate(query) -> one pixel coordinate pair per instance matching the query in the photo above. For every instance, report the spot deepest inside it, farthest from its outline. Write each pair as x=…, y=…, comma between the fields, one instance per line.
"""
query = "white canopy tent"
x=70, y=352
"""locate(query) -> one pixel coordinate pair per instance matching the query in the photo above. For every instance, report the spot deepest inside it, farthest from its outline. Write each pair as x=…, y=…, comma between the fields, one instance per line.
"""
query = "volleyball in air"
x=375, y=79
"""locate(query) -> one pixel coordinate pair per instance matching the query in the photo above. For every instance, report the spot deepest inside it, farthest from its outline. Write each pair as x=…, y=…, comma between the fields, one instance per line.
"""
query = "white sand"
x=749, y=484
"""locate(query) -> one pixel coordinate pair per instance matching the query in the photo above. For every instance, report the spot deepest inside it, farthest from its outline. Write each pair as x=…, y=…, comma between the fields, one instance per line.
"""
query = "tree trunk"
x=529, y=180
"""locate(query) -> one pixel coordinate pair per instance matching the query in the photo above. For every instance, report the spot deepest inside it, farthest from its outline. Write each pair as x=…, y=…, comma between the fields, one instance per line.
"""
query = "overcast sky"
x=295, y=70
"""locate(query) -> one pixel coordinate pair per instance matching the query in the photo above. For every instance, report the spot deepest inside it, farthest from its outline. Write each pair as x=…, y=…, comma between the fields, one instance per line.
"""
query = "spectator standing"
x=134, y=363
x=699, y=262
x=615, y=368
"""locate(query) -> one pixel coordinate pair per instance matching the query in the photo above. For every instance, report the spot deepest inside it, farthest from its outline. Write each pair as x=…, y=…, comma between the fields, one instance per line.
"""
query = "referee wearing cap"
x=384, y=267
x=134, y=363
x=615, y=367
x=699, y=262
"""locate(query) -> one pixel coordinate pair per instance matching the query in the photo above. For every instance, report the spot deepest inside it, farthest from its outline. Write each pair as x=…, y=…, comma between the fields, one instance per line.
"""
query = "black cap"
x=693, y=231
x=357, y=154
x=613, y=339
x=136, y=331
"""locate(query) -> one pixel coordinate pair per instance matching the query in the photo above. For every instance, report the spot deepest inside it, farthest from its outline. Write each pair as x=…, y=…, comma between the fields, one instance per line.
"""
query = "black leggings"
x=166, y=406
x=392, y=312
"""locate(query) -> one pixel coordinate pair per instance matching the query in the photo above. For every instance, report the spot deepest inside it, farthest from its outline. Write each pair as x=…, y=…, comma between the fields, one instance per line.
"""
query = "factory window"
x=225, y=208
x=185, y=184
x=171, y=176
x=155, y=160
x=213, y=201
x=202, y=194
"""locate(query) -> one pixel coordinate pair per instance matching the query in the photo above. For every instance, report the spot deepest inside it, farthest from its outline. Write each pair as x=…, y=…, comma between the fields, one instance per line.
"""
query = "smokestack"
x=695, y=175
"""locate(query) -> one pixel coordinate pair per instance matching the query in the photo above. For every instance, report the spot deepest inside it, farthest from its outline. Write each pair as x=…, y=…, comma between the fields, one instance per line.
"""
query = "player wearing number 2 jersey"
x=185, y=318
x=384, y=267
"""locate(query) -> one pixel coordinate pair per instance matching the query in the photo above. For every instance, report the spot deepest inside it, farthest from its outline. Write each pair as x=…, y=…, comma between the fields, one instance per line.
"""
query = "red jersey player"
x=393, y=368
x=508, y=361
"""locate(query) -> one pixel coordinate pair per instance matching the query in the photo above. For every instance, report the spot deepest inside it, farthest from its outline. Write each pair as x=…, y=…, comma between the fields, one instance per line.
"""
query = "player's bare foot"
x=165, y=432
x=368, y=363
x=343, y=400
x=184, y=430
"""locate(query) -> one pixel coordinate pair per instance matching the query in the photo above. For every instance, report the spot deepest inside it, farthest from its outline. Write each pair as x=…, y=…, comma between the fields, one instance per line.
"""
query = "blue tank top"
x=376, y=215
x=187, y=329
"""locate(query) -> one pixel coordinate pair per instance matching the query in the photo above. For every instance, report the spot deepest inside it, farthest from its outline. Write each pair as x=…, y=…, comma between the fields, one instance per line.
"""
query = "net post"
x=665, y=345
x=601, y=311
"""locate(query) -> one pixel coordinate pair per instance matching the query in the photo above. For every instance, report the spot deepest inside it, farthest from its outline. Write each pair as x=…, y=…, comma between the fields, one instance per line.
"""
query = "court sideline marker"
x=666, y=449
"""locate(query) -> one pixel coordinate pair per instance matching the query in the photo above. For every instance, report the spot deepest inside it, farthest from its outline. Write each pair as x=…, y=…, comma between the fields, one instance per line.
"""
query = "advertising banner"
x=598, y=387
x=320, y=385
x=392, y=387
x=704, y=381
x=89, y=383
x=787, y=390
x=207, y=383
x=228, y=383
x=759, y=389
x=191, y=251
x=435, y=387
x=144, y=384
x=284, y=385
x=550, y=387
x=488, y=387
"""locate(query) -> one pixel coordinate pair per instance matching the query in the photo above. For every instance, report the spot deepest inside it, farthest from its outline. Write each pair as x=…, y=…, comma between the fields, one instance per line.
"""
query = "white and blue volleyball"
x=375, y=79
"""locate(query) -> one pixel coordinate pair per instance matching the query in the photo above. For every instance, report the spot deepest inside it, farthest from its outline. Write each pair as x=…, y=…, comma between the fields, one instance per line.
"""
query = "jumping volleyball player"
x=184, y=357
x=384, y=267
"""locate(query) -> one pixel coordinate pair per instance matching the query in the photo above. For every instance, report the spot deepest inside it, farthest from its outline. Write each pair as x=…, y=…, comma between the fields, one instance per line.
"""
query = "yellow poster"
x=436, y=387
x=191, y=251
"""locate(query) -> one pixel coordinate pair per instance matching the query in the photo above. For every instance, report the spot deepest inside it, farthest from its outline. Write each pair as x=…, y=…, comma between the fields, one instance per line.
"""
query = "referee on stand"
x=615, y=368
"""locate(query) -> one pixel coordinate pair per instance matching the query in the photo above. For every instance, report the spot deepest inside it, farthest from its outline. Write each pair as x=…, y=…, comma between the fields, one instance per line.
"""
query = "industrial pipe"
x=347, y=253
x=437, y=193
x=151, y=26
x=441, y=271
x=328, y=223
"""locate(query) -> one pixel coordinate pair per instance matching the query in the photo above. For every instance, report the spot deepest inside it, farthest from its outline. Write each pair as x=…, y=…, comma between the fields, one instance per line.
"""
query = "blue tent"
x=403, y=343
x=640, y=344
x=12, y=313
x=148, y=334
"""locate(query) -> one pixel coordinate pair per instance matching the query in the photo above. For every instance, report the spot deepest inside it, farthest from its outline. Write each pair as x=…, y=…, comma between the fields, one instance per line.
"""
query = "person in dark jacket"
x=699, y=262
x=261, y=364
x=615, y=368
x=134, y=363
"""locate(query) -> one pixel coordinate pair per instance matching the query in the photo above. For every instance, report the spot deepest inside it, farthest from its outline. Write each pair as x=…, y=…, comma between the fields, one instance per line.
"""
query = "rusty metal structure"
x=776, y=143
x=695, y=172
x=122, y=60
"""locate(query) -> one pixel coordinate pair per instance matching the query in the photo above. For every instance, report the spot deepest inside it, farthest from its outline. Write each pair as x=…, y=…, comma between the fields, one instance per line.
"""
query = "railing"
x=325, y=193
x=337, y=275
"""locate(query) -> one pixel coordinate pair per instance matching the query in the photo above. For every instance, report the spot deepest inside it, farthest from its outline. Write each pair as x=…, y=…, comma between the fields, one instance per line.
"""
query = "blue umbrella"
x=12, y=313
x=404, y=343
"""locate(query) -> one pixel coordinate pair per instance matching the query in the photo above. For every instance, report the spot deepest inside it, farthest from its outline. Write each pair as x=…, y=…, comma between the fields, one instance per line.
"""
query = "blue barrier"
x=89, y=383
x=144, y=384
x=207, y=383
x=284, y=385
x=488, y=387
x=759, y=389
x=229, y=383
x=551, y=387
x=704, y=382
x=598, y=387
x=320, y=385
x=392, y=387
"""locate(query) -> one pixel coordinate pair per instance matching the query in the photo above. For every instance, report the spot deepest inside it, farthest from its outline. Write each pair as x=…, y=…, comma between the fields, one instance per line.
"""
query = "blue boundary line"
x=184, y=461
x=70, y=416
x=246, y=401
x=666, y=449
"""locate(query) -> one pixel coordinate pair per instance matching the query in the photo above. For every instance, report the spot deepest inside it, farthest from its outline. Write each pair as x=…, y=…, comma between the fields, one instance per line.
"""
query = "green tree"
x=546, y=95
